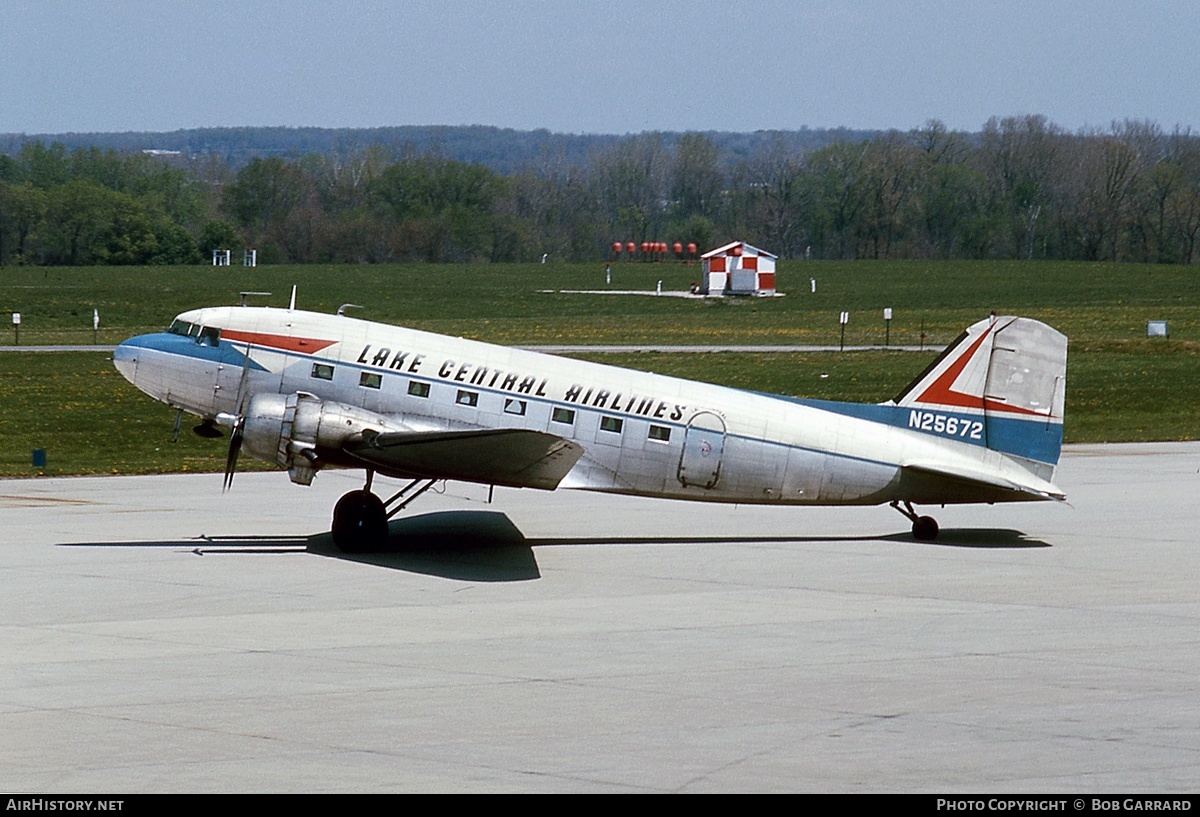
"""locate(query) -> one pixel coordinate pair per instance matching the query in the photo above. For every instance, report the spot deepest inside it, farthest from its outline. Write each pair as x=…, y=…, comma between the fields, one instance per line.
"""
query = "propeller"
x=237, y=423
x=235, y=448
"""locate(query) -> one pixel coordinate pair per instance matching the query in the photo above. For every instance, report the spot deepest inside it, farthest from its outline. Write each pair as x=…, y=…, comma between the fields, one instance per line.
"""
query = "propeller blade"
x=241, y=390
x=239, y=424
x=235, y=448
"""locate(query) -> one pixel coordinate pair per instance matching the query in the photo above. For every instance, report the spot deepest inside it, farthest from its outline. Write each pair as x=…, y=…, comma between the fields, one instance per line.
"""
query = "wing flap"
x=516, y=458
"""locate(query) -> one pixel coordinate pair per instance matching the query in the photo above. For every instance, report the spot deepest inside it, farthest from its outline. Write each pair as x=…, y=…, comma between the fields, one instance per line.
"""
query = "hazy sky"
x=594, y=67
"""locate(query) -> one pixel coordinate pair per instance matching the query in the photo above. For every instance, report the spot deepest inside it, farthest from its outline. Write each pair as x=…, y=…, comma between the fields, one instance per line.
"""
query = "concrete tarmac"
x=159, y=636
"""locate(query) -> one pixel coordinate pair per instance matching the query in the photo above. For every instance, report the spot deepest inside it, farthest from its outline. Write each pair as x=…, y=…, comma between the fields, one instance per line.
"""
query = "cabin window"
x=322, y=371
x=612, y=424
x=418, y=389
x=467, y=398
x=562, y=415
x=370, y=380
x=513, y=406
x=660, y=433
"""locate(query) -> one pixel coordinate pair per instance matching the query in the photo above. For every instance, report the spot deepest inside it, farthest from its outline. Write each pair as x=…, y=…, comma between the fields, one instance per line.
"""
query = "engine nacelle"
x=294, y=430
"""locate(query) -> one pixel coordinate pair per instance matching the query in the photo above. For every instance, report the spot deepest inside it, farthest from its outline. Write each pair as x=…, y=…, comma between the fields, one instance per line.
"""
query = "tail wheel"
x=359, y=522
x=924, y=528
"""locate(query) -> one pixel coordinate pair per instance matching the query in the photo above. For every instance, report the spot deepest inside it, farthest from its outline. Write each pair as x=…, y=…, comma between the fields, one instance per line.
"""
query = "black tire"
x=925, y=529
x=359, y=522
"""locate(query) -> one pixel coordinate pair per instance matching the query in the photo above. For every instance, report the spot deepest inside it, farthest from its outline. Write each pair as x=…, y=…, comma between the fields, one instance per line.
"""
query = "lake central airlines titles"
x=489, y=377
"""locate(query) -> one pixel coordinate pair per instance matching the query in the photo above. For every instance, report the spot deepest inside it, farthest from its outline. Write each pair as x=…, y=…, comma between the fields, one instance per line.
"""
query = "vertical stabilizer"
x=1004, y=379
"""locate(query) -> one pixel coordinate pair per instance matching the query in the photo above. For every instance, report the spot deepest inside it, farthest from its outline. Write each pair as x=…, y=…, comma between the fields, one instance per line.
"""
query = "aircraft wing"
x=938, y=484
x=516, y=458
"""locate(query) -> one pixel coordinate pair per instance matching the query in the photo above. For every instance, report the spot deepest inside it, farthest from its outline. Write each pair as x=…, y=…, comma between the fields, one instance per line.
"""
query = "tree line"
x=1020, y=188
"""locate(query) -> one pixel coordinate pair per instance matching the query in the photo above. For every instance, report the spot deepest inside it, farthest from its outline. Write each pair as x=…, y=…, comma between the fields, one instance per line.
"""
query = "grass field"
x=506, y=303
x=1121, y=385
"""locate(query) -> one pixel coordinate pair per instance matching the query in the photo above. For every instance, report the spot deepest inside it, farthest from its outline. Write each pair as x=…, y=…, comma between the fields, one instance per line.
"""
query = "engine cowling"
x=301, y=431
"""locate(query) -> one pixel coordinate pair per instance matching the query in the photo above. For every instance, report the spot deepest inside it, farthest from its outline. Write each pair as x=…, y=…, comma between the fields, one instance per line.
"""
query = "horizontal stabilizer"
x=512, y=457
x=931, y=483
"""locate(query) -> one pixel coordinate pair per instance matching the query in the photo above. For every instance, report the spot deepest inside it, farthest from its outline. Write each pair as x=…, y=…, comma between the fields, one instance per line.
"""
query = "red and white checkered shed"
x=740, y=256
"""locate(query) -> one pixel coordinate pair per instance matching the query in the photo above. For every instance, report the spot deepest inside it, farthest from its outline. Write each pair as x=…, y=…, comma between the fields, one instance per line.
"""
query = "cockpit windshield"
x=204, y=335
x=184, y=328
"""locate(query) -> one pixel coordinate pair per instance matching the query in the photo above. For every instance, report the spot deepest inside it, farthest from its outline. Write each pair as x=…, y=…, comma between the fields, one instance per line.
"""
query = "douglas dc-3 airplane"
x=309, y=391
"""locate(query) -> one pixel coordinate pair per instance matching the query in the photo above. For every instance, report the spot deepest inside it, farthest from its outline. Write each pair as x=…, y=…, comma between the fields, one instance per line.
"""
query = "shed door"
x=703, y=444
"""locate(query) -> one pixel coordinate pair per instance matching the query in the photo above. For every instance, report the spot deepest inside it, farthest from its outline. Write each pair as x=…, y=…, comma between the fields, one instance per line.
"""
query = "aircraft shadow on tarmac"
x=468, y=545
x=487, y=546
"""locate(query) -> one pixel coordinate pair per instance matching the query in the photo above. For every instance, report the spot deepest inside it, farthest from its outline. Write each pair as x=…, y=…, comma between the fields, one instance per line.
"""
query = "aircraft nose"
x=125, y=359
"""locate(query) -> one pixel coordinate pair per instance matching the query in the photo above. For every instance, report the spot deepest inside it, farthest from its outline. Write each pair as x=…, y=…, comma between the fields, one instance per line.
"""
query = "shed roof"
x=746, y=249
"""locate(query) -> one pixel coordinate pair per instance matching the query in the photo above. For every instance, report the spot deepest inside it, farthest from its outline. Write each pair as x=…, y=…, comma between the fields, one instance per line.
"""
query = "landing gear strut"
x=360, y=517
x=924, y=528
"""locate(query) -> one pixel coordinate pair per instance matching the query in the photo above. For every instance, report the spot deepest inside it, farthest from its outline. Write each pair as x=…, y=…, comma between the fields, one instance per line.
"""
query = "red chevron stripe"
x=286, y=343
x=941, y=391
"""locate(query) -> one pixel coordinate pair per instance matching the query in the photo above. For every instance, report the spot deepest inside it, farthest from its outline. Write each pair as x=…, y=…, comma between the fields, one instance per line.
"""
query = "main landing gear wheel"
x=359, y=522
x=924, y=528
